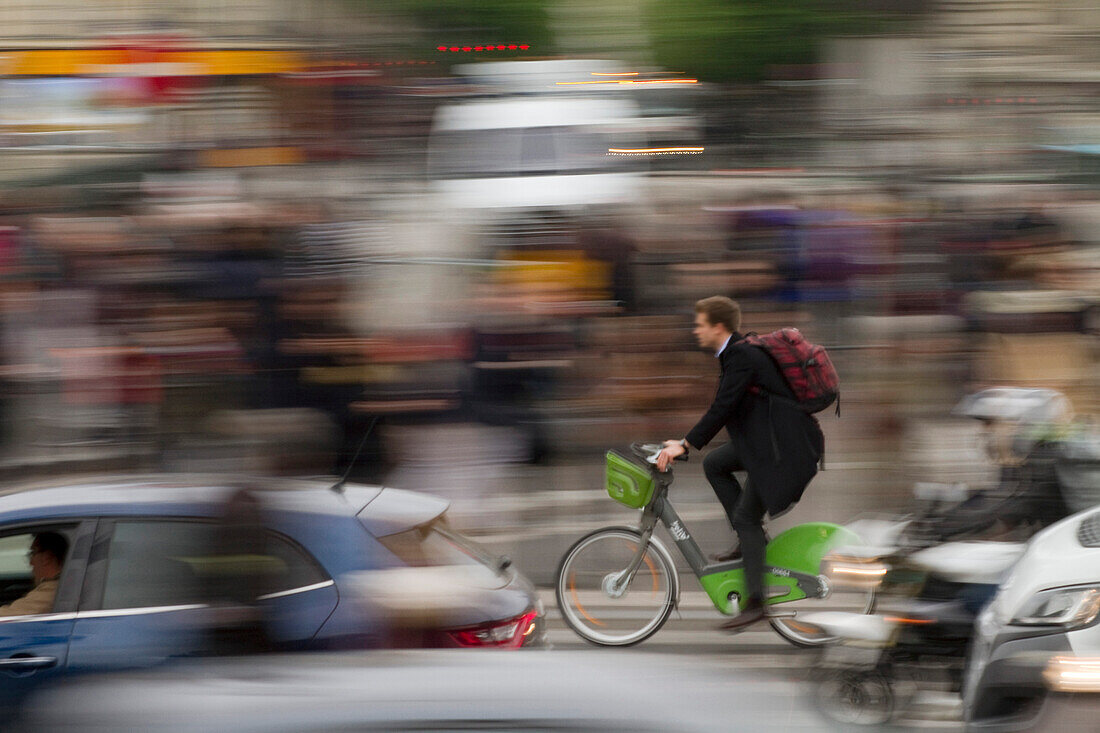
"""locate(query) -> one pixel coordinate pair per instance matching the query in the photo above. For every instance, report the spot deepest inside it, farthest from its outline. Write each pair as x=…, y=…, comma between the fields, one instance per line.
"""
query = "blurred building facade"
x=213, y=23
x=979, y=87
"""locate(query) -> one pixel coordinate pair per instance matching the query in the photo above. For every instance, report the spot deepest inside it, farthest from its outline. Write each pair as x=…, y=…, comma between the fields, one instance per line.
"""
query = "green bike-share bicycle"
x=618, y=585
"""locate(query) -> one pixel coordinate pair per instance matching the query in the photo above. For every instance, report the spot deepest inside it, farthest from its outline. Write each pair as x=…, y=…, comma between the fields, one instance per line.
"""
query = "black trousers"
x=745, y=512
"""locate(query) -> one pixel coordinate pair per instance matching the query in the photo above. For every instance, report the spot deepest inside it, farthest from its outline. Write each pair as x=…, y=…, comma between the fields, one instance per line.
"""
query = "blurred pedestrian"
x=238, y=624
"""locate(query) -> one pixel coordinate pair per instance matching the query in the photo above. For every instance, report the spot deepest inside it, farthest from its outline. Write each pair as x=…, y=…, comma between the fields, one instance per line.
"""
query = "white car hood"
x=1054, y=558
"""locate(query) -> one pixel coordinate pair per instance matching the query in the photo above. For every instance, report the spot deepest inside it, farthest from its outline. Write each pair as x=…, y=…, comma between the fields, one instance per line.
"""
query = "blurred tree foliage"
x=714, y=40
x=739, y=40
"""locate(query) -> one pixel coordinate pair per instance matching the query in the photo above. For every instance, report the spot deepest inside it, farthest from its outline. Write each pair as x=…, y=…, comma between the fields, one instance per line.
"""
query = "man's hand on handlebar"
x=673, y=449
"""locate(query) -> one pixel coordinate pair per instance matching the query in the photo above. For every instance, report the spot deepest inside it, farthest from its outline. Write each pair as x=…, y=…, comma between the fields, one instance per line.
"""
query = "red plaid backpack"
x=805, y=367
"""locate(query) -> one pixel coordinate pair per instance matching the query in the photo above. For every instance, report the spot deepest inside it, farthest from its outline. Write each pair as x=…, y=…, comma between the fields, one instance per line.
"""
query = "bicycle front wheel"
x=597, y=599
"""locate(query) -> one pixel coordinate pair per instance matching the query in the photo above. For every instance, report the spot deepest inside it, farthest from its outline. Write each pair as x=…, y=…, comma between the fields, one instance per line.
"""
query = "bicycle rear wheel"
x=596, y=601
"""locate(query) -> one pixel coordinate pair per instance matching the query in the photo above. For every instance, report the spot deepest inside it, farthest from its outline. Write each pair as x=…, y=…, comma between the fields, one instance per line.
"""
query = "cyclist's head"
x=716, y=318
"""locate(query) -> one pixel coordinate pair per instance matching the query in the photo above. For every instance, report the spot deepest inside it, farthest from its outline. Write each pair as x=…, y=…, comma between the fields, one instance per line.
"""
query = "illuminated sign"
x=147, y=63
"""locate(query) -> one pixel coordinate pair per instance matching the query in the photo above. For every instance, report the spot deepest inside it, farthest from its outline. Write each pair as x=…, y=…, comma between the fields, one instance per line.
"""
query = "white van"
x=527, y=149
x=534, y=152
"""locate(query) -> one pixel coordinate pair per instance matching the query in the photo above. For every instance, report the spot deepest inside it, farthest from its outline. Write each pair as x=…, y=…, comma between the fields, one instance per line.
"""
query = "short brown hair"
x=720, y=310
x=52, y=543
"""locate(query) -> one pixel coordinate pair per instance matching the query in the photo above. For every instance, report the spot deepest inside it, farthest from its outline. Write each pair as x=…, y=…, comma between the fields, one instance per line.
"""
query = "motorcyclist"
x=1021, y=430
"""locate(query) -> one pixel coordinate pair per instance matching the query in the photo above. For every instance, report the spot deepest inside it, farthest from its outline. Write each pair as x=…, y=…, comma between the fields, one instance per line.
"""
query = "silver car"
x=1036, y=654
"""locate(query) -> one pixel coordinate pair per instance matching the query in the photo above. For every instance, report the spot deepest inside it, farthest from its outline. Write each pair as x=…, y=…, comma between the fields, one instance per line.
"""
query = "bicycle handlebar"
x=648, y=452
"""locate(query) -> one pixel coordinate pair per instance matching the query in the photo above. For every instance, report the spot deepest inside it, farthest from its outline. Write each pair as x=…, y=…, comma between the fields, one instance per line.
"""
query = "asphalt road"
x=694, y=631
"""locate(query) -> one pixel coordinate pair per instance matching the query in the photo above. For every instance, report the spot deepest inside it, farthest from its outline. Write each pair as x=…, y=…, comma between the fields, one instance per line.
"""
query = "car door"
x=150, y=583
x=33, y=647
x=141, y=604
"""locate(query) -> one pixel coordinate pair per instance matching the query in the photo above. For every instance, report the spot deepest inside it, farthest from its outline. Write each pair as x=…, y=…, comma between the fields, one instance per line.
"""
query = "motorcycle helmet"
x=1014, y=419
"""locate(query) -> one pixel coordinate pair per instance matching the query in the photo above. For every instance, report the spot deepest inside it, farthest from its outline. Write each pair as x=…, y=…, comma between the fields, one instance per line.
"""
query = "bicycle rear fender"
x=800, y=549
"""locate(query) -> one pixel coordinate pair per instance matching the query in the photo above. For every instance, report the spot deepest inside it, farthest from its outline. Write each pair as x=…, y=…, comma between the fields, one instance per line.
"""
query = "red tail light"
x=509, y=634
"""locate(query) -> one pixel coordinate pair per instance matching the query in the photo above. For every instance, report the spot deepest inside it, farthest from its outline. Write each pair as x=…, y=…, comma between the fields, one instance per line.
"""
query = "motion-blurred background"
x=232, y=234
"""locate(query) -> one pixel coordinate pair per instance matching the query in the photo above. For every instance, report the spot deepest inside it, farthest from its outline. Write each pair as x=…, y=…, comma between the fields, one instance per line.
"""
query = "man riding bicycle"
x=775, y=442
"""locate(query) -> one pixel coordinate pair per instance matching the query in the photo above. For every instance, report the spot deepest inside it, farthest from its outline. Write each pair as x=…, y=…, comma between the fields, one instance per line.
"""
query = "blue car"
x=145, y=553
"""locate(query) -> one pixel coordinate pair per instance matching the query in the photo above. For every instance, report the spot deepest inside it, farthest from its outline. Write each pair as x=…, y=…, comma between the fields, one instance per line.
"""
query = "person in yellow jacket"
x=46, y=557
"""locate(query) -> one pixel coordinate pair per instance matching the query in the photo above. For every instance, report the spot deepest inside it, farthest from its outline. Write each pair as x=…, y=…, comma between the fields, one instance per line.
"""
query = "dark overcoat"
x=779, y=445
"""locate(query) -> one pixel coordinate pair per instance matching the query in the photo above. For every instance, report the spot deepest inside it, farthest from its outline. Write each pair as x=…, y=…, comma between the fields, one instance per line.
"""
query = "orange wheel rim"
x=653, y=572
x=651, y=566
x=577, y=601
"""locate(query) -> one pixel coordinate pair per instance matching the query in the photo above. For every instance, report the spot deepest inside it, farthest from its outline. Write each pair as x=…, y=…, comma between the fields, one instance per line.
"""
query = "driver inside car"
x=46, y=557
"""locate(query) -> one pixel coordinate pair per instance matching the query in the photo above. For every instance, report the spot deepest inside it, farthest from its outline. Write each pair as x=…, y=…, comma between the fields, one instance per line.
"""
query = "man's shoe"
x=753, y=612
x=733, y=553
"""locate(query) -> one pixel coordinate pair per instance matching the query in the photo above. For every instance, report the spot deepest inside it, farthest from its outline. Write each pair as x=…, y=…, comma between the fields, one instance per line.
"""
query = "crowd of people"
x=180, y=325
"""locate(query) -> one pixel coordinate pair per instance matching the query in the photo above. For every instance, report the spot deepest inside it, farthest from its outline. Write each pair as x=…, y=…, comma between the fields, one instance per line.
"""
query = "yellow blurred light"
x=231, y=63
x=854, y=572
x=654, y=151
x=120, y=62
x=872, y=572
x=1073, y=674
x=628, y=82
x=661, y=81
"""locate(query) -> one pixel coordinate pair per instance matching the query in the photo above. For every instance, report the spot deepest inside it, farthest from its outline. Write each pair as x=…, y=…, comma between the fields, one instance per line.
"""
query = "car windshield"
x=527, y=151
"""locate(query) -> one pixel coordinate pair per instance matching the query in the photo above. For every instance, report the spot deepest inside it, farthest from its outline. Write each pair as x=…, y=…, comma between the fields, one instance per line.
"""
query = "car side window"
x=28, y=581
x=292, y=567
x=170, y=563
x=148, y=564
x=15, y=571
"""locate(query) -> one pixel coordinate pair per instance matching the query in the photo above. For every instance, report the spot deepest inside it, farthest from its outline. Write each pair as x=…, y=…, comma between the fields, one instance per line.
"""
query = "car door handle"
x=26, y=664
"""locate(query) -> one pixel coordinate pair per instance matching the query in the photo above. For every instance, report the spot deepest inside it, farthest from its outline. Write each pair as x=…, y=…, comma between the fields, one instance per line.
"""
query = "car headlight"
x=1070, y=608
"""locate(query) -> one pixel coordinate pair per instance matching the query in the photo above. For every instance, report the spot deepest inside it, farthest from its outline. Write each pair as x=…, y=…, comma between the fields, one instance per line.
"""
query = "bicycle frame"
x=791, y=563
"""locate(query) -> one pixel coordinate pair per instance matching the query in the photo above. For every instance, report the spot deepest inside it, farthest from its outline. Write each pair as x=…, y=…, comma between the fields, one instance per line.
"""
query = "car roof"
x=524, y=112
x=171, y=495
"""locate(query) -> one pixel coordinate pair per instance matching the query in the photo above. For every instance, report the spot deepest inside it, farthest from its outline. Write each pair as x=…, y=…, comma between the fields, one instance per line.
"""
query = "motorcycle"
x=934, y=569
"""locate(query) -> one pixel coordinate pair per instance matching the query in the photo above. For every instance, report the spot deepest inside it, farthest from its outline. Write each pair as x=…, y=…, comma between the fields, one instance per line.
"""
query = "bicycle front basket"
x=627, y=482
